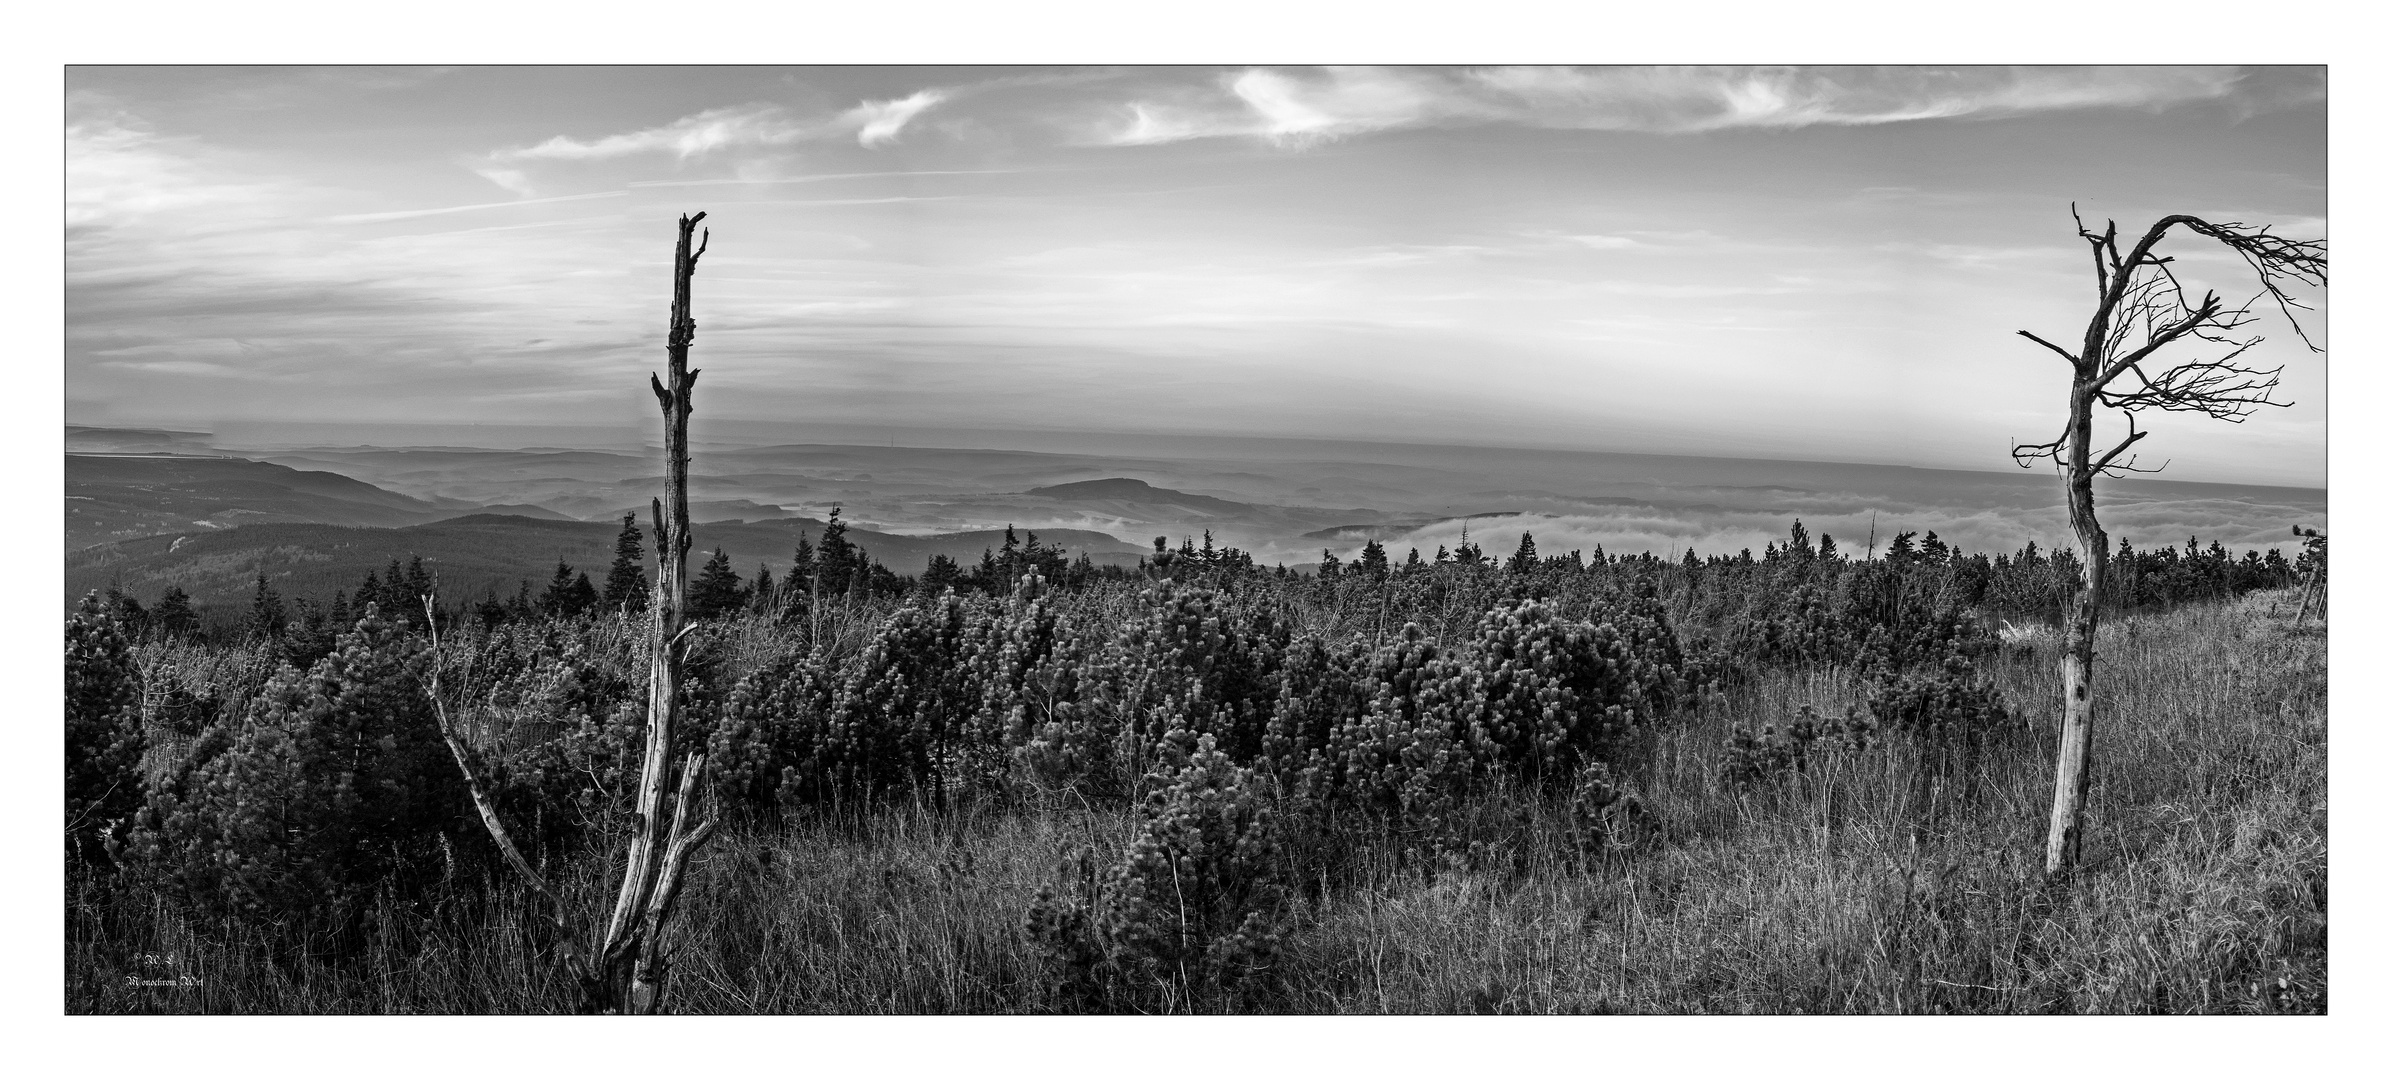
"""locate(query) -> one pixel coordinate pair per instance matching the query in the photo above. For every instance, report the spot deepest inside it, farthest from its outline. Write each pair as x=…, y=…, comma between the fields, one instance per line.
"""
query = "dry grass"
x=1880, y=882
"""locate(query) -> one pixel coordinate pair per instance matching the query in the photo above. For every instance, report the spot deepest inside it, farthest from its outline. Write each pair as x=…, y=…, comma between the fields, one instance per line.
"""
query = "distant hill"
x=118, y=497
x=1139, y=493
x=81, y=439
x=477, y=554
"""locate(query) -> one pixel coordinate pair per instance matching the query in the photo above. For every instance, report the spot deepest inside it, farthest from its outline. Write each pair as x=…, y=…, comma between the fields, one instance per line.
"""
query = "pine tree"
x=941, y=574
x=842, y=562
x=1373, y=563
x=1524, y=558
x=716, y=592
x=418, y=586
x=762, y=596
x=174, y=616
x=567, y=596
x=394, y=590
x=626, y=582
x=801, y=572
x=1009, y=559
x=266, y=618
x=130, y=618
x=492, y=612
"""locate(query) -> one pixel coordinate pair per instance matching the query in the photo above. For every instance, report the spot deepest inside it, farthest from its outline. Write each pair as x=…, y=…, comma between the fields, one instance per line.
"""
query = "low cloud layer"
x=2238, y=524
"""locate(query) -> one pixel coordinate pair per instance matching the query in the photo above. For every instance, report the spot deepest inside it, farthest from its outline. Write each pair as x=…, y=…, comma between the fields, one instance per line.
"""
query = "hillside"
x=480, y=553
x=120, y=497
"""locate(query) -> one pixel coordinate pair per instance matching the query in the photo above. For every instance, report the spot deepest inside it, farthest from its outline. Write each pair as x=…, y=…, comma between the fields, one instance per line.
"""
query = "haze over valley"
x=1283, y=500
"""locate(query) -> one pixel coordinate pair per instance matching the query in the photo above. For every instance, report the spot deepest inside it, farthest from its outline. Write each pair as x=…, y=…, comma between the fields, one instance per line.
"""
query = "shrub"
x=1752, y=757
x=1604, y=816
x=765, y=749
x=1191, y=912
x=1950, y=707
x=898, y=714
x=1539, y=694
x=337, y=781
x=104, y=740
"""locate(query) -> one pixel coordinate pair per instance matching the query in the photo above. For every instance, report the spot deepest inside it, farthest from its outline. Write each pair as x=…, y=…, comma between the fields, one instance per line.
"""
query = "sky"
x=1812, y=263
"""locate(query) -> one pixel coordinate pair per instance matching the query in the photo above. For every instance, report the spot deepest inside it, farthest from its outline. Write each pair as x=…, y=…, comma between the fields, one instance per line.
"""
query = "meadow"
x=1797, y=782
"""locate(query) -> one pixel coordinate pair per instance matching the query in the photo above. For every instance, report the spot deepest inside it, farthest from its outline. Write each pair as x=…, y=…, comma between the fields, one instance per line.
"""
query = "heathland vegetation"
x=1788, y=781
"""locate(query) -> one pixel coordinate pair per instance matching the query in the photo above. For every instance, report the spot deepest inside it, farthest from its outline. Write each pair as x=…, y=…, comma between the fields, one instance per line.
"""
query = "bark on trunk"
x=629, y=973
x=2076, y=653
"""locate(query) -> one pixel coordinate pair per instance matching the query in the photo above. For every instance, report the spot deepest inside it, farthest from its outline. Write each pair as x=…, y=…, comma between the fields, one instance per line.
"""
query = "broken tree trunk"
x=628, y=972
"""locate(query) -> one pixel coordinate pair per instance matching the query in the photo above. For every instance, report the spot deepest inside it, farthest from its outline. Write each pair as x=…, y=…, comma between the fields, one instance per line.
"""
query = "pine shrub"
x=104, y=738
x=335, y=782
x=1191, y=913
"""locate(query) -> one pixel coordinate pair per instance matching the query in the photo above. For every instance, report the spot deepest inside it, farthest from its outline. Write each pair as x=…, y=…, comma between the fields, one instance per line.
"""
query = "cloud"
x=1298, y=108
x=119, y=170
x=751, y=127
x=2240, y=525
x=403, y=215
x=879, y=121
x=690, y=136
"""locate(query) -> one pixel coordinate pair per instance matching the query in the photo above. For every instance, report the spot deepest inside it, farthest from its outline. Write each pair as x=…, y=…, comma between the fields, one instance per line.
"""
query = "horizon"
x=702, y=445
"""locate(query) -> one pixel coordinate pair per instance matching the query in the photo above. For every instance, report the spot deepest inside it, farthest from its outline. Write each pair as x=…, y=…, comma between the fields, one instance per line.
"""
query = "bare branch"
x=2027, y=454
x=483, y=804
x=2276, y=260
x=2132, y=437
x=2064, y=354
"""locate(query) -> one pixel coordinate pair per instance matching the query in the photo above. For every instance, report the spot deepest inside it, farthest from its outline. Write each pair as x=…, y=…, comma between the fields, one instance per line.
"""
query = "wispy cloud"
x=731, y=130
x=690, y=136
x=402, y=215
x=878, y=122
x=1297, y=108
x=819, y=177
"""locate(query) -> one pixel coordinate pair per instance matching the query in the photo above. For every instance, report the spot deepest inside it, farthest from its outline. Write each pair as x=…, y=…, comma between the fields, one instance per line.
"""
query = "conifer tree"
x=717, y=591
x=840, y=560
x=626, y=582
x=568, y=594
x=266, y=618
x=762, y=595
x=1524, y=558
x=941, y=574
x=174, y=616
x=1373, y=563
x=130, y=618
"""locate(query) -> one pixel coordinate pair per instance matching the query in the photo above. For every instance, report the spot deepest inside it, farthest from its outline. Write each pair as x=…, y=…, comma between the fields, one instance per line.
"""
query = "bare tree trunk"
x=628, y=974
x=2076, y=652
x=2142, y=307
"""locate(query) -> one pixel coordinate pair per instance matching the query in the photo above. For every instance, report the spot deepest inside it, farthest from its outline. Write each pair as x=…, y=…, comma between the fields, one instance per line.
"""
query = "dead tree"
x=2313, y=583
x=625, y=971
x=2141, y=308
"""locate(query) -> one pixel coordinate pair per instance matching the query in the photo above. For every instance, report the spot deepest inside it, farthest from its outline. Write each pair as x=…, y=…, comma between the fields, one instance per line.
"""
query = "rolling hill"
x=478, y=554
x=121, y=497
